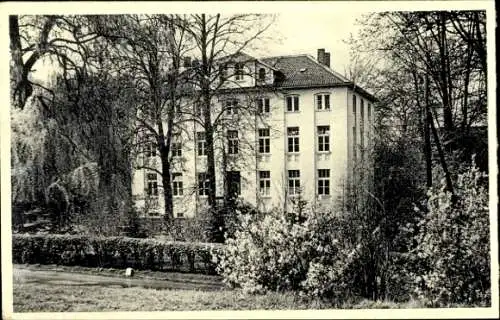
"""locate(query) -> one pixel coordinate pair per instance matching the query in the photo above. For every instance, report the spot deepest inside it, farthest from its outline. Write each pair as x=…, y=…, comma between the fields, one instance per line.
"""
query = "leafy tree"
x=84, y=127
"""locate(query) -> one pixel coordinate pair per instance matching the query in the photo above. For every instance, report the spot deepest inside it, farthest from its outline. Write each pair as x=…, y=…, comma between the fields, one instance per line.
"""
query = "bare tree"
x=217, y=37
x=150, y=49
x=218, y=40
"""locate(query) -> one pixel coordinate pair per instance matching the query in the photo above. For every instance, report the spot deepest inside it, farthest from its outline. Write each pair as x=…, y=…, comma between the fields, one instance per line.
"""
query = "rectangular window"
x=292, y=103
x=232, y=107
x=362, y=111
x=362, y=137
x=362, y=124
x=150, y=149
x=152, y=184
x=262, y=74
x=238, y=71
x=203, y=184
x=177, y=186
x=263, y=105
x=176, y=149
x=324, y=181
x=264, y=183
x=197, y=108
x=354, y=104
x=264, y=141
x=354, y=142
x=201, y=143
x=293, y=139
x=223, y=73
x=369, y=118
x=293, y=182
x=323, y=138
x=323, y=102
x=232, y=141
x=234, y=183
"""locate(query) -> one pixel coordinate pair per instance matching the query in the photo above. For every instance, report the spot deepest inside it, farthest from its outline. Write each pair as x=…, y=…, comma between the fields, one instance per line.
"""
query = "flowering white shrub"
x=278, y=251
x=453, y=244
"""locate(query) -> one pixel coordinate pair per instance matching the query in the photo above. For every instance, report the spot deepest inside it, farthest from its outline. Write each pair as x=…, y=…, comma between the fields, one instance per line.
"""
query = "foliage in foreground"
x=453, y=250
x=447, y=262
x=117, y=252
x=286, y=252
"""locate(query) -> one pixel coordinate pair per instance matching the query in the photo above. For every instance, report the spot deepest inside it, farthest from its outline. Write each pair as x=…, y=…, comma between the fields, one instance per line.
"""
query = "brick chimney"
x=321, y=56
x=326, y=61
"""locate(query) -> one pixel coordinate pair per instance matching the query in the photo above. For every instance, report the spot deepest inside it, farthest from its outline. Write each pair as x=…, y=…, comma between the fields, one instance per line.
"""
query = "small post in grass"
x=129, y=272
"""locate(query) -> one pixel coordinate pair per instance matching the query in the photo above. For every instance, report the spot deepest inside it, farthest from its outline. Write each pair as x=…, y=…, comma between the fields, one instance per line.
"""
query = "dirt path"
x=87, y=280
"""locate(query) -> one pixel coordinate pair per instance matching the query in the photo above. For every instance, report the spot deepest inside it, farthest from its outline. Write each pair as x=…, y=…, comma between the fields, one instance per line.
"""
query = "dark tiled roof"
x=303, y=71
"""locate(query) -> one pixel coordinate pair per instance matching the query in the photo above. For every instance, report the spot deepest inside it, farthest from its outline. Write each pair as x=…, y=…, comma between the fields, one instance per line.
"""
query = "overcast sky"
x=297, y=33
x=309, y=31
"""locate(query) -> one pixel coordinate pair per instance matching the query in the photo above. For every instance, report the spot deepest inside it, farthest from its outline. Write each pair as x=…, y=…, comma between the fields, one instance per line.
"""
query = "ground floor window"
x=203, y=184
x=177, y=185
x=264, y=183
x=152, y=184
x=293, y=182
x=234, y=183
x=324, y=181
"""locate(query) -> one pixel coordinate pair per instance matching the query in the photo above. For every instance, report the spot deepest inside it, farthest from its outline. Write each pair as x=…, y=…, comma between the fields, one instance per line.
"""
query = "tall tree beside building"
x=216, y=37
x=149, y=49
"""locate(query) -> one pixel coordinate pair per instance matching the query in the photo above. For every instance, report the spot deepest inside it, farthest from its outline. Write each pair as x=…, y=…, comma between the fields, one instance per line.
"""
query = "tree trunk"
x=209, y=137
x=465, y=106
x=19, y=88
x=427, y=135
x=442, y=159
x=22, y=88
x=444, y=75
x=165, y=169
x=206, y=98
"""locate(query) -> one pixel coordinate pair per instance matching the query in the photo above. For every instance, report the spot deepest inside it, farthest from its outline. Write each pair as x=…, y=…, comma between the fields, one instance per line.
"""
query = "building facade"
x=289, y=127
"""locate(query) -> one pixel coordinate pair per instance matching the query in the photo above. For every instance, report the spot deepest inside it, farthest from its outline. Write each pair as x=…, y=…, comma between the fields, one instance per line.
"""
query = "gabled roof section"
x=301, y=71
x=243, y=57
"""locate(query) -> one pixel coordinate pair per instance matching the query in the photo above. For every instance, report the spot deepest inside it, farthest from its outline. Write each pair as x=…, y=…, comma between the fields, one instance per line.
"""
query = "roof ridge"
x=333, y=72
x=285, y=56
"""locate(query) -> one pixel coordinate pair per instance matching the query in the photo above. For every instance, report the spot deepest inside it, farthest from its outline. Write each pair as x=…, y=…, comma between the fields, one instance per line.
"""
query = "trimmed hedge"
x=115, y=252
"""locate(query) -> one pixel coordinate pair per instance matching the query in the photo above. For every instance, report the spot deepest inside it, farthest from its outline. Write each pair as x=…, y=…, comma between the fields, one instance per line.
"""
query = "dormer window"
x=262, y=74
x=223, y=73
x=238, y=71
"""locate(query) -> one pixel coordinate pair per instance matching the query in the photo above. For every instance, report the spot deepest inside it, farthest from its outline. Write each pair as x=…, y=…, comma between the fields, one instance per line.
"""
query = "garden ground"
x=72, y=289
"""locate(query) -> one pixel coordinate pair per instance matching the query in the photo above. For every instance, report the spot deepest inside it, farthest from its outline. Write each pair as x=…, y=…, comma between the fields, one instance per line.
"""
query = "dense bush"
x=117, y=252
x=453, y=244
x=278, y=252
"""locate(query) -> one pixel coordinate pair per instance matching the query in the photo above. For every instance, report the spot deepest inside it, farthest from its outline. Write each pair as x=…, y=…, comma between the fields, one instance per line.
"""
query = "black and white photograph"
x=249, y=159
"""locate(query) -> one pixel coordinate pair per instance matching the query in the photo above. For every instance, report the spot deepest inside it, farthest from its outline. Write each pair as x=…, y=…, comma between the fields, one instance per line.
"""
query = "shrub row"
x=115, y=252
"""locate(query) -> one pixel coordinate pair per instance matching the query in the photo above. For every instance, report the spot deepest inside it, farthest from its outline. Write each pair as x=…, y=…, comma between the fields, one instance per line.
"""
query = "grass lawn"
x=53, y=296
x=35, y=297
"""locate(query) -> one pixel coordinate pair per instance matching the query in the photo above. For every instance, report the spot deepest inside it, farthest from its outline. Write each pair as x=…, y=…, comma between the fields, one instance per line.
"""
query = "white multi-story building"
x=309, y=127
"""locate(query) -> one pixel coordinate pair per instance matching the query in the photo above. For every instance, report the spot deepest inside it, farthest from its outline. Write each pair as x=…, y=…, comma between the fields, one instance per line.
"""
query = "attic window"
x=262, y=74
x=238, y=71
x=303, y=70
